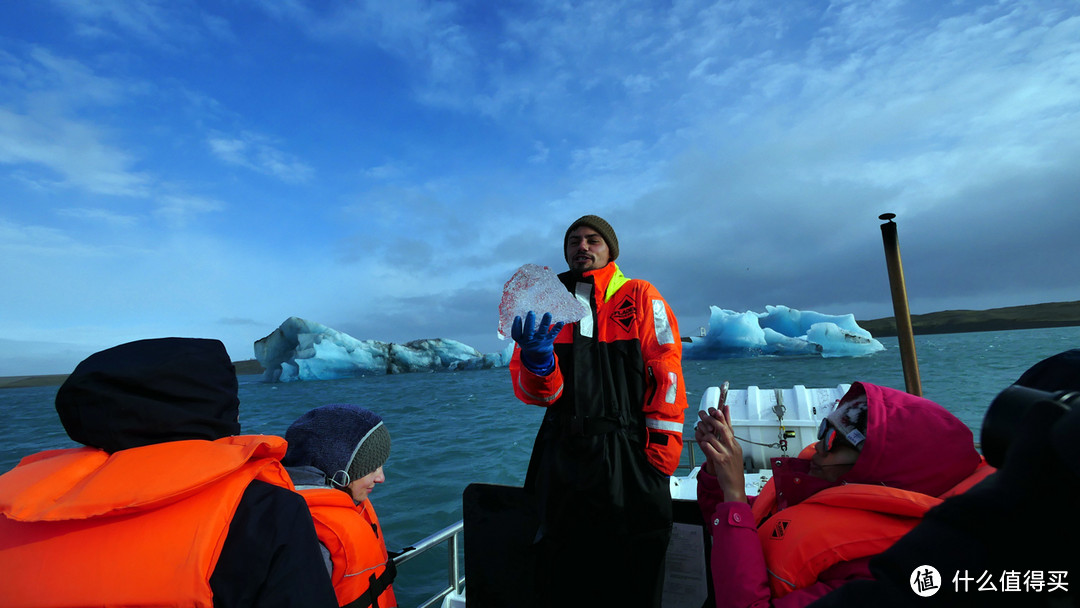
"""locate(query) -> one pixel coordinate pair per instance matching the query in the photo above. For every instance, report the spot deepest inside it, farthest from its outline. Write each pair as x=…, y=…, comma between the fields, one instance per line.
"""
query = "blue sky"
x=189, y=168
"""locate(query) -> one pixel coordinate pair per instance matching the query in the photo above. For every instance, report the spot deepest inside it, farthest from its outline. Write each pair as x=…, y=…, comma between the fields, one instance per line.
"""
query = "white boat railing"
x=452, y=535
x=688, y=445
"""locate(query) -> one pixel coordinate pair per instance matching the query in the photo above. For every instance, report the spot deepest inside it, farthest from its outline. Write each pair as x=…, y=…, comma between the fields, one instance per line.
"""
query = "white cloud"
x=742, y=150
x=54, y=138
x=104, y=216
x=49, y=80
x=77, y=153
x=259, y=153
x=385, y=172
x=163, y=24
x=626, y=158
x=178, y=210
x=540, y=153
x=26, y=242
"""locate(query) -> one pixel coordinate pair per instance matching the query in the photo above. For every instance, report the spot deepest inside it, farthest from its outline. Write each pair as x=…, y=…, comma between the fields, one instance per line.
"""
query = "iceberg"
x=305, y=350
x=537, y=288
x=780, y=331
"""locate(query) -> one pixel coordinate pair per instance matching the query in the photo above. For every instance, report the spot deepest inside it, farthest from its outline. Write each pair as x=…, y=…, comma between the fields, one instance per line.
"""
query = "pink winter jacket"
x=912, y=444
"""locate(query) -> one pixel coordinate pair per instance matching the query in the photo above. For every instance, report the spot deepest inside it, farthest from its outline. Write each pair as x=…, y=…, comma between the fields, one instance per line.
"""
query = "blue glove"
x=537, y=345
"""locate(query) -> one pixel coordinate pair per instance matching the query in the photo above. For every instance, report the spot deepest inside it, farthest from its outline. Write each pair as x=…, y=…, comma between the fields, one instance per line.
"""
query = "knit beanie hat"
x=598, y=224
x=345, y=442
x=849, y=419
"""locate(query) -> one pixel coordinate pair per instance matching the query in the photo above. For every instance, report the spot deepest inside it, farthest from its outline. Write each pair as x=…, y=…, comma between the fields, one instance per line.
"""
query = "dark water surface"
x=451, y=429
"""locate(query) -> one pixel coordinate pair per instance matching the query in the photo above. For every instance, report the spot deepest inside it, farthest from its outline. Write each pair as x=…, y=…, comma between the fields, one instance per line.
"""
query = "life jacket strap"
x=376, y=586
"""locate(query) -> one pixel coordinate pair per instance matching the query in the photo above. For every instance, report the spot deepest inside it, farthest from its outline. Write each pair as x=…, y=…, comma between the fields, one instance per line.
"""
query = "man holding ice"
x=612, y=435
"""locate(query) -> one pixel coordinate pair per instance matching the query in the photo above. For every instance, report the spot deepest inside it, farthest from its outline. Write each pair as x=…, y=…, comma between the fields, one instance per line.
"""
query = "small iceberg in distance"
x=780, y=331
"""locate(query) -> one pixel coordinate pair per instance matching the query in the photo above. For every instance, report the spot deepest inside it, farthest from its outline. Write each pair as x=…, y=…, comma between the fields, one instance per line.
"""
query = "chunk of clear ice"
x=537, y=288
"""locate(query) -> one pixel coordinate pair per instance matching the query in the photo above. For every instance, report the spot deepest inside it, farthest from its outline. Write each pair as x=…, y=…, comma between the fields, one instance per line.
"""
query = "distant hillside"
x=243, y=368
x=1053, y=314
x=248, y=367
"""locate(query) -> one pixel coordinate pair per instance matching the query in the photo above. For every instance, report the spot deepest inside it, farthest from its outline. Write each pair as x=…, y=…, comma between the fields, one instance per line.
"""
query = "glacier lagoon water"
x=453, y=428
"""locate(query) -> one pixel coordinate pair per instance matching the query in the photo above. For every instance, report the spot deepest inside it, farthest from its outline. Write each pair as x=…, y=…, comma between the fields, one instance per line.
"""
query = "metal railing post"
x=904, y=333
x=453, y=566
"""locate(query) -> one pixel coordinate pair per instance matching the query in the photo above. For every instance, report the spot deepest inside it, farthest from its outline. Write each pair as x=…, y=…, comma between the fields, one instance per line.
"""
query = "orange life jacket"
x=839, y=524
x=362, y=569
x=139, y=527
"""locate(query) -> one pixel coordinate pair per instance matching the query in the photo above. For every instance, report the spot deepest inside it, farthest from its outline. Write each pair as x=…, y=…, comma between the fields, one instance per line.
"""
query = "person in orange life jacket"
x=335, y=458
x=1017, y=521
x=883, y=458
x=612, y=433
x=167, y=504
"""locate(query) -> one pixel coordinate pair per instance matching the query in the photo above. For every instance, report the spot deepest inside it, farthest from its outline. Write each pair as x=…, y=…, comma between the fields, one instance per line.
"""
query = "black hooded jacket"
x=170, y=389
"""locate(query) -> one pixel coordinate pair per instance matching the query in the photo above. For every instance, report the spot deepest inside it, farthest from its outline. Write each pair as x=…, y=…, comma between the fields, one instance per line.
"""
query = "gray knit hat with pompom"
x=345, y=442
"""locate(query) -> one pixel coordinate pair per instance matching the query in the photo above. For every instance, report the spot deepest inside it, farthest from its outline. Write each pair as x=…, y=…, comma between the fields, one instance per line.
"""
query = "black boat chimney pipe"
x=901, y=314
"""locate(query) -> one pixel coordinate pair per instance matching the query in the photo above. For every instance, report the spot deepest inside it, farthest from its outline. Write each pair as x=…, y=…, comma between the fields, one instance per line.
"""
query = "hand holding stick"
x=723, y=453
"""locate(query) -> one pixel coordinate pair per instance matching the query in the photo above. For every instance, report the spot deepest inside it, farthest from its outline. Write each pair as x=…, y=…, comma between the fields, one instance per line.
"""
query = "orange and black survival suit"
x=610, y=439
x=164, y=507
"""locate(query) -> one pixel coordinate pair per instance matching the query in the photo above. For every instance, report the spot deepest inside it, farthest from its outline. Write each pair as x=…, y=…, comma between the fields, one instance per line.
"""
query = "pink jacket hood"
x=911, y=443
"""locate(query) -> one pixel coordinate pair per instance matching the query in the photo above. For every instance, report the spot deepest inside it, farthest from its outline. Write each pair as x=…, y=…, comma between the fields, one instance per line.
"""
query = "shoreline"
x=249, y=367
x=1032, y=316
